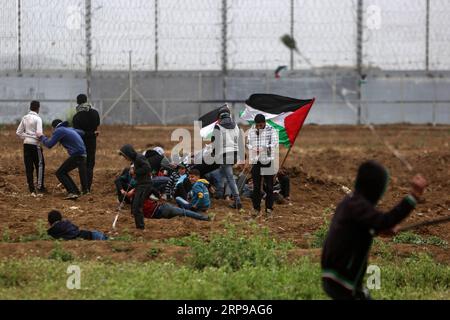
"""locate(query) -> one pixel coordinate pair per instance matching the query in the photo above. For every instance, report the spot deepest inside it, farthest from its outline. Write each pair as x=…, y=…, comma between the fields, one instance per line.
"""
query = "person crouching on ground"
x=125, y=183
x=199, y=193
x=354, y=224
x=64, y=229
x=70, y=139
x=143, y=172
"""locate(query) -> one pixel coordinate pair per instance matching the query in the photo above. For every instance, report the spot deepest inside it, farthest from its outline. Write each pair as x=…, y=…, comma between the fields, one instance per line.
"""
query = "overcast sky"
x=190, y=34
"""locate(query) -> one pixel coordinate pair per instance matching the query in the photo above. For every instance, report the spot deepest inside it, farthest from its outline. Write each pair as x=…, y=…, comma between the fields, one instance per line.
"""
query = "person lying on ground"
x=154, y=209
x=142, y=170
x=71, y=140
x=65, y=229
x=354, y=224
x=125, y=183
x=199, y=195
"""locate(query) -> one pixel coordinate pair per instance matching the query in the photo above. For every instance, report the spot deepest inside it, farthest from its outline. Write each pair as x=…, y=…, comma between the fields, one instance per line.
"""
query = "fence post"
x=427, y=36
x=224, y=48
x=200, y=94
x=88, y=31
x=359, y=49
x=164, y=110
x=292, y=33
x=130, y=76
x=19, y=35
x=156, y=36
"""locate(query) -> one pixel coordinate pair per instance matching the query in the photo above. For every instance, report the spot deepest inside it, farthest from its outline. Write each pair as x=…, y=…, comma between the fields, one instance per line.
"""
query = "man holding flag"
x=285, y=116
x=262, y=146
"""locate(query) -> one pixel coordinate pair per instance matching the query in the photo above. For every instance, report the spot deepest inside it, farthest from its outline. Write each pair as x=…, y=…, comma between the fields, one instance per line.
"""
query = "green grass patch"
x=58, y=253
x=125, y=236
x=238, y=264
x=319, y=236
x=40, y=233
x=6, y=236
x=413, y=238
x=418, y=277
x=153, y=252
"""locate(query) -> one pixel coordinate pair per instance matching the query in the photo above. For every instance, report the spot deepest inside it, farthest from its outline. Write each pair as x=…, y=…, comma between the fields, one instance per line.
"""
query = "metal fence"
x=179, y=97
x=222, y=34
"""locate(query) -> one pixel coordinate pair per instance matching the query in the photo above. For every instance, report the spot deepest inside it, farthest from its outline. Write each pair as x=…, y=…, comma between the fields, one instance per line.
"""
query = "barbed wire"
x=188, y=34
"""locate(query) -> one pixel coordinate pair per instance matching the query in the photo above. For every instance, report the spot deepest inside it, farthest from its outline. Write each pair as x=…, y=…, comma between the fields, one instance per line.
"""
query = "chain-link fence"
x=223, y=35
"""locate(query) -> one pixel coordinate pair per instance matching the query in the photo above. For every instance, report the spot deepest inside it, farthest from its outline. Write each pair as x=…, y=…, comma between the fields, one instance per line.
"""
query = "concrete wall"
x=173, y=97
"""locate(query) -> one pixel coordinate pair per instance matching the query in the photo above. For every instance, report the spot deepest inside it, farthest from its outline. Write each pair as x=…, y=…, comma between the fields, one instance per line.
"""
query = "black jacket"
x=86, y=119
x=66, y=230
x=354, y=224
x=141, y=166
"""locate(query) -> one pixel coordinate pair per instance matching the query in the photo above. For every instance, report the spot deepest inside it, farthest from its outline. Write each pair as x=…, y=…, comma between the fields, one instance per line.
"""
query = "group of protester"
x=192, y=181
x=79, y=141
x=151, y=180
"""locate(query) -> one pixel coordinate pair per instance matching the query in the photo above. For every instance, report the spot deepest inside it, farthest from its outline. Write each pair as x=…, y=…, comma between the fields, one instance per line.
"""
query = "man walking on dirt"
x=88, y=120
x=28, y=130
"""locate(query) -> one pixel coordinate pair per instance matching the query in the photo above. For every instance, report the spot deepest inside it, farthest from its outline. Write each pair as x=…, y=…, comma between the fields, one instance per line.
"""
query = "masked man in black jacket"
x=354, y=224
x=88, y=120
x=144, y=186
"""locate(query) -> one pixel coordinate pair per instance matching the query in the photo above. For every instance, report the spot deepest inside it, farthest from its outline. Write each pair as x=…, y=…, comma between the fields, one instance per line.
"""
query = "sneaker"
x=42, y=190
x=33, y=194
x=269, y=212
x=236, y=206
x=256, y=212
x=71, y=196
x=85, y=192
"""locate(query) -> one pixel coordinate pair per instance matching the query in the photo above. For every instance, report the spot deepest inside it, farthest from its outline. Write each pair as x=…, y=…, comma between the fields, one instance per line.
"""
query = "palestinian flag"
x=209, y=120
x=287, y=115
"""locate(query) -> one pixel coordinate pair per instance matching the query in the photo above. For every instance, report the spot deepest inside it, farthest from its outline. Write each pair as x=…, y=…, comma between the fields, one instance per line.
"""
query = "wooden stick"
x=425, y=223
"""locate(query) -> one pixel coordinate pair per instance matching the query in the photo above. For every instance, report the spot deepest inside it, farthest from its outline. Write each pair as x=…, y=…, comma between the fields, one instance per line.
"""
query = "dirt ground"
x=324, y=159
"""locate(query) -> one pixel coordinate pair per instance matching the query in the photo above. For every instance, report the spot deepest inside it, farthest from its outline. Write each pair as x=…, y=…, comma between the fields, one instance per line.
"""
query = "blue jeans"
x=168, y=211
x=187, y=205
x=159, y=183
x=227, y=172
x=97, y=235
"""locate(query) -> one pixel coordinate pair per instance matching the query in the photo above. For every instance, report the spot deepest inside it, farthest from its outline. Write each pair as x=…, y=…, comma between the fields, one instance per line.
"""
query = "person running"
x=143, y=171
x=226, y=141
x=28, y=130
x=354, y=224
x=262, y=143
x=70, y=139
x=88, y=120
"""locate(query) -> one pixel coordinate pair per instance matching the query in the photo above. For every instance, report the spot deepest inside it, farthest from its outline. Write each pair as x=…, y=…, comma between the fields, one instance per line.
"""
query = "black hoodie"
x=354, y=224
x=86, y=119
x=142, y=168
x=65, y=229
